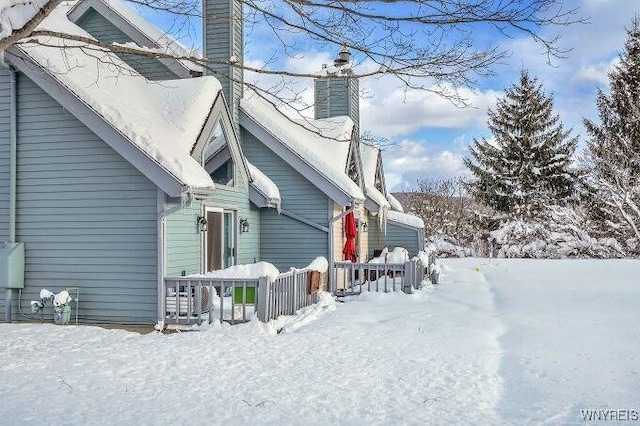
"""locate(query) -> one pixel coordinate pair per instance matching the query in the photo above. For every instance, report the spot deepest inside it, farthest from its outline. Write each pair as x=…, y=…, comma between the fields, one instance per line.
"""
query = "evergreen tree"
x=612, y=157
x=526, y=168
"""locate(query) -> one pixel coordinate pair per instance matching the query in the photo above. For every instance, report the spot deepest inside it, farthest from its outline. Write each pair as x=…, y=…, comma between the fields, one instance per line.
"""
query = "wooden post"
x=262, y=299
x=295, y=293
x=409, y=276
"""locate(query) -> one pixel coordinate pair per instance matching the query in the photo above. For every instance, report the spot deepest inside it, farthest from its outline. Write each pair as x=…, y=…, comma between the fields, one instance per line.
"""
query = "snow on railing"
x=353, y=278
x=289, y=293
x=192, y=300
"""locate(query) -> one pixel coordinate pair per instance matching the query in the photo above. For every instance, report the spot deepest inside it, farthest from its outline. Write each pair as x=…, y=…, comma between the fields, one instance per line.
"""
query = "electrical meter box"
x=11, y=265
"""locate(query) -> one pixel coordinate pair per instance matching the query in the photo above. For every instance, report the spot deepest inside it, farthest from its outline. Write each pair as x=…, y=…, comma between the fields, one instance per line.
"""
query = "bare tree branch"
x=31, y=25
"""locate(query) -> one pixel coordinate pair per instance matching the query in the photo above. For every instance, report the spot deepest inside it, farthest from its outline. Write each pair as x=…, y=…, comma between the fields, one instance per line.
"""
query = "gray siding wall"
x=86, y=216
x=184, y=248
x=321, y=98
x=223, y=38
x=250, y=247
x=376, y=237
x=104, y=31
x=184, y=243
x=5, y=114
x=248, y=243
x=335, y=97
x=354, y=103
x=287, y=242
x=396, y=236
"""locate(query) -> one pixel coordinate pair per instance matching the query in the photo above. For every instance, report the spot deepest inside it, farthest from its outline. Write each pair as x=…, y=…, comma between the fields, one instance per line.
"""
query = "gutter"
x=13, y=162
x=161, y=252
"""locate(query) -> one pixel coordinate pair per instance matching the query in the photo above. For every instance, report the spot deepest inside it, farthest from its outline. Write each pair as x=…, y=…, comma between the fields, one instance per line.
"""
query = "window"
x=223, y=175
x=378, y=182
x=352, y=168
x=217, y=160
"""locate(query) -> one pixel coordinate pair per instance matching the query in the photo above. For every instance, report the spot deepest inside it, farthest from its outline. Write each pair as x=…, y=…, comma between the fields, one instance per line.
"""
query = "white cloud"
x=596, y=72
x=387, y=109
x=411, y=160
x=393, y=111
x=395, y=180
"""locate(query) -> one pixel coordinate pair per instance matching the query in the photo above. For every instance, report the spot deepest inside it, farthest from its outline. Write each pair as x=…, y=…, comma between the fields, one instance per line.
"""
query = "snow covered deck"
x=235, y=297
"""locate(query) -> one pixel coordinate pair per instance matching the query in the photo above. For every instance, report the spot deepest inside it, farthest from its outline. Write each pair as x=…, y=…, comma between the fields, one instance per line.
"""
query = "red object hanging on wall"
x=350, y=232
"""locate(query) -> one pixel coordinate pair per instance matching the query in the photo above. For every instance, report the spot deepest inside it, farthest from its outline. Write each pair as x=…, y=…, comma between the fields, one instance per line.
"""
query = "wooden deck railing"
x=289, y=293
x=353, y=278
x=190, y=300
x=194, y=300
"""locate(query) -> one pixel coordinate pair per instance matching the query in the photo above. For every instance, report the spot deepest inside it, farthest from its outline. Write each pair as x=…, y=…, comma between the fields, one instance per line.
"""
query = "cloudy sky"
x=431, y=135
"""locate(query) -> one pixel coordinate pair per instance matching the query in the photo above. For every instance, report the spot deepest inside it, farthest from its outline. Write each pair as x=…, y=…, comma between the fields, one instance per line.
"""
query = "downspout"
x=333, y=220
x=161, y=256
x=13, y=161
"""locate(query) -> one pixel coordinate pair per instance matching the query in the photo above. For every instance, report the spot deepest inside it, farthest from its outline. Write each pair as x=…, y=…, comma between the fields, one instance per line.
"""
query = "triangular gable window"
x=379, y=183
x=352, y=167
x=217, y=159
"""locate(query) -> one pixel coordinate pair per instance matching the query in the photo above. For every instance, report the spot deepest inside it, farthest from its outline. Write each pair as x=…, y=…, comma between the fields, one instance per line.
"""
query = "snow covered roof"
x=370, y=155
x=265, y=186
x=395, y=204
x=377, y=197
x=15, y=13
x=322, y=144
x=162, y=41
x=405, y=219
x=163, y=120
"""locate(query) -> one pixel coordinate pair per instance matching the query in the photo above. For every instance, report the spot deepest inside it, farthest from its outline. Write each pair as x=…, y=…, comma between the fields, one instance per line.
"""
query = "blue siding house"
x=289, y=236
x=111, y=21
x=312, y=172
x=119, y=182
x=336, y=94
x=308, y=205
x=388, y=226
x=114, y=177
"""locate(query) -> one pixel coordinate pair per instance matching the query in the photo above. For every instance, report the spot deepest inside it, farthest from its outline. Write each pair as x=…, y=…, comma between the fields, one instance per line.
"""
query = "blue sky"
x=437, y=146
x=432, y=135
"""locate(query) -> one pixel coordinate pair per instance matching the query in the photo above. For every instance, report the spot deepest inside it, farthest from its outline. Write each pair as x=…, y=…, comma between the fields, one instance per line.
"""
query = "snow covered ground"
x=498, y=342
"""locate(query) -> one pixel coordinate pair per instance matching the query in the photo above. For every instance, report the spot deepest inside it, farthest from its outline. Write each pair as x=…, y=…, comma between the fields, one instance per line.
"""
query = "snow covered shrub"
x=448, y=248
x=561, y=235
x=453, y=221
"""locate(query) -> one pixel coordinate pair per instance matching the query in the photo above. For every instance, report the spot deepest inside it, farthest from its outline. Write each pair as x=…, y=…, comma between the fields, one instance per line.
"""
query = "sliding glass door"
x=220, y=241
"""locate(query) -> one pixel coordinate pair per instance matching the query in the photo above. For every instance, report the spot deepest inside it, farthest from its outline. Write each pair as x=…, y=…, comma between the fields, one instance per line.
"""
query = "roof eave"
x=137, y=35
x=261, y=200
x=333, y=191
